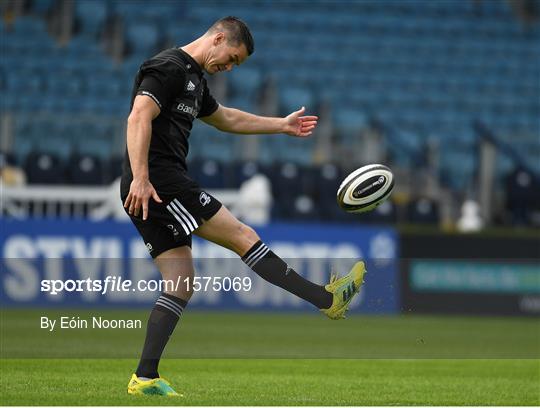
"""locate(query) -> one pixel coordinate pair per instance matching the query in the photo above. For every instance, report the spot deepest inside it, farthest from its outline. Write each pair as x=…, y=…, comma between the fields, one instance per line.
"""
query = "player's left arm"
x=236, y=121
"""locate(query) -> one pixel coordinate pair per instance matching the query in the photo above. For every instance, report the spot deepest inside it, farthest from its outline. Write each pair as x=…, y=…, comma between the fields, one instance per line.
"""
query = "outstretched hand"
x=298, y=125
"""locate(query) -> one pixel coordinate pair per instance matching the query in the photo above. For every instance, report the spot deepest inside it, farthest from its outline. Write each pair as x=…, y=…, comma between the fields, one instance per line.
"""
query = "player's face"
x=223, y=56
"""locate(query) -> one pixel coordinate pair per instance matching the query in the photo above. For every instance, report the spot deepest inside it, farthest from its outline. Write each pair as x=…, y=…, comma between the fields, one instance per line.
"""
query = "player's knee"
x=177, y=277
x=182, y=286
x=247, y=237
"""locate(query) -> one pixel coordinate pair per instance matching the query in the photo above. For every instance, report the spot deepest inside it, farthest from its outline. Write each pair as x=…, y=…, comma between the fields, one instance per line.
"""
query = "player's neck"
x=196, y=50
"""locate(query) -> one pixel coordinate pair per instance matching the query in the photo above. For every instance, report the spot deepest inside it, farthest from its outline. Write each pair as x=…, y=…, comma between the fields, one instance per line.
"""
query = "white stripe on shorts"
x=182, y=215
x=186, y=212
x=180, y=218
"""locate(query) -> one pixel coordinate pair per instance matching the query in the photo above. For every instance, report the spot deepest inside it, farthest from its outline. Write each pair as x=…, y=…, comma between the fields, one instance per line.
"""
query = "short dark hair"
x=238, y=32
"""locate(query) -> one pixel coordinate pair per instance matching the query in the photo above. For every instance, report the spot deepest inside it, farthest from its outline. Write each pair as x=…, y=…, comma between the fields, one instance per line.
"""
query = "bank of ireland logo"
x=204, y=198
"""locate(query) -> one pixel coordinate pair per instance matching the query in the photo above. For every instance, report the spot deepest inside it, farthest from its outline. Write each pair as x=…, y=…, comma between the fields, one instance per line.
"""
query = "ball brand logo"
x=204, y=198
x=374, y=183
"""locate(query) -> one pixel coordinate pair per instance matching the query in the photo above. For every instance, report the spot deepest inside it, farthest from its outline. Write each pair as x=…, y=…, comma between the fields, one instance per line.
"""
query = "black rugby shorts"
x=171, y=223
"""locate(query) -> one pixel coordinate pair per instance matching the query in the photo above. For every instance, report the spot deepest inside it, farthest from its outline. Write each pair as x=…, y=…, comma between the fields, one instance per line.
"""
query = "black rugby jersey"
x=176, y=83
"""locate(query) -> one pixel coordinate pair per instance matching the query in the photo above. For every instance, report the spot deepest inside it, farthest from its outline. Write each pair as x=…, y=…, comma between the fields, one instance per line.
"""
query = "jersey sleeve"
x=161, y=81
x=209, y=104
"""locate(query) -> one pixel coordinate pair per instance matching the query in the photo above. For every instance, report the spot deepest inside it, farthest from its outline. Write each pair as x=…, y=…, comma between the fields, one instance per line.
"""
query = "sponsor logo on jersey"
x=190, y=86
x=149, y=247
x=204, y=198
x=187, y=109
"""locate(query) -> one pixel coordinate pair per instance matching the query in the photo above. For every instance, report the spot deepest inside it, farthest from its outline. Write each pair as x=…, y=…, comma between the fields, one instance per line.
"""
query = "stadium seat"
x=302, y=208
x=423, y=211
x=91, y=16
x=180, y=35
x=245, y=83
x=28, y=26
x=44, y=168
x=349, y=122
x=7, y=159
x=292, y=99
x=42, y=7
x=522, y=195
x=85, y=169
x=240, y=171
x=95, y=147
x=142, y=38
x=286, y=178
x=113, y=168
x=208, y=173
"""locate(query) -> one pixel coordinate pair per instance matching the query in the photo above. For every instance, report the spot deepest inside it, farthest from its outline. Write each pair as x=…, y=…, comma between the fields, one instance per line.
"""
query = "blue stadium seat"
x=349, y=122
x=85, y=169
x=100, y=148
x=292, y=99
x=180, y=35
x=91, y=16
x=208, y=173
x=44, y=168
x=29, y=26
x=423, y=211
x=7, y=159
x=240, y=171
x=286, y=178
x=21, y=149
x=42, y=7
x=522, y=195
x=55, y=144
x=142, y=38
x=113, y=168
x=245, y=83
x=24, y=81
x=63, y=83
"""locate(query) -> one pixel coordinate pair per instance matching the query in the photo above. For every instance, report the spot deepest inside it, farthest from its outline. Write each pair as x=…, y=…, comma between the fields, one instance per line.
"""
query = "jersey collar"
x=194, y=63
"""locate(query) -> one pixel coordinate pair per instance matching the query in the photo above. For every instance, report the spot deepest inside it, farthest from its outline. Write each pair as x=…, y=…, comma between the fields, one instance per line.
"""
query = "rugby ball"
x=365, y=188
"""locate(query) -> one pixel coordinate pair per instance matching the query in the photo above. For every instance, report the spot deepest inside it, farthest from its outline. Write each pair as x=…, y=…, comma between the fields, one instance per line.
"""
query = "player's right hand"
x=140, y=192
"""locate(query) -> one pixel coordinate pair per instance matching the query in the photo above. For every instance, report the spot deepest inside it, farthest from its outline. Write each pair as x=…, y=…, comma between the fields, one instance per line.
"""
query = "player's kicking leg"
x=167, y=310
x=333, y=299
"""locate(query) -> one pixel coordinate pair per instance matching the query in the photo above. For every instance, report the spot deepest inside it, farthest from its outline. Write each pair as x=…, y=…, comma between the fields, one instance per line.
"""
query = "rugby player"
x=167, y=206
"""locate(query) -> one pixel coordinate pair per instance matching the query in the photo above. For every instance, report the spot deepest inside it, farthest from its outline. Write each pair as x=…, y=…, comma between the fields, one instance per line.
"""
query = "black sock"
x=272, y=268
x=161, y=324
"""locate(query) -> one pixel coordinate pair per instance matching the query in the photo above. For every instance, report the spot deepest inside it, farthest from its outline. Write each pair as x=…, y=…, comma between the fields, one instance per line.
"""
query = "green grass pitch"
x=278, y=359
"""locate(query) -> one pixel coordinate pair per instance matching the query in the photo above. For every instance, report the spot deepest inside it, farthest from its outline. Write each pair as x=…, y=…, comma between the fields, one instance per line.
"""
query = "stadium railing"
x=94, y=203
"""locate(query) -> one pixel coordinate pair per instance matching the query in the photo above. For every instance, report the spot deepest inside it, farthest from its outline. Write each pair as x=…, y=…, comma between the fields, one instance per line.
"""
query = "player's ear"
x=219, y=38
